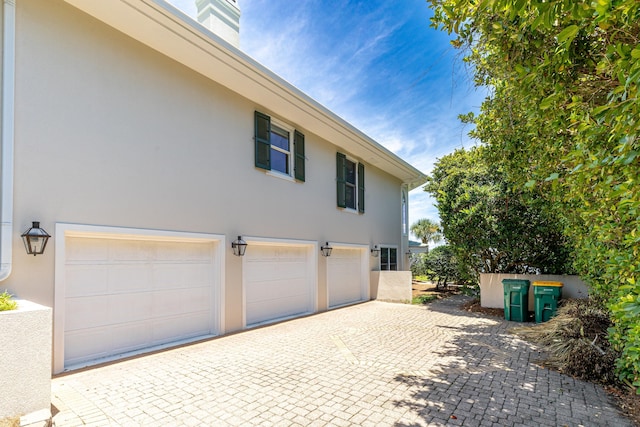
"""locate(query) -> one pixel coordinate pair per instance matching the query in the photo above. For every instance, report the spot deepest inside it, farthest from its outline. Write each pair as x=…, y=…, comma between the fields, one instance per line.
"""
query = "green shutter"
x=263, y=141
x=298, y=160
x=340, y=178
x=360, y=188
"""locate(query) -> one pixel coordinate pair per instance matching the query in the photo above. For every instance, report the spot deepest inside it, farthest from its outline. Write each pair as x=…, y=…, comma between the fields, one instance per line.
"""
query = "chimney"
x=222, y=17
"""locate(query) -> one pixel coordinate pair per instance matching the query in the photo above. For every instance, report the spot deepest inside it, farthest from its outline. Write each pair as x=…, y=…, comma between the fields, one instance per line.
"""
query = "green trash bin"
x=546, y=296
x=516, y=299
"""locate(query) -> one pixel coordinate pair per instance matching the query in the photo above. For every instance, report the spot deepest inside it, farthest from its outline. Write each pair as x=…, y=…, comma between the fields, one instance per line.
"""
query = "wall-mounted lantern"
x=326, y=250
x=239, y=246
x=375, y=251
x=35, y=239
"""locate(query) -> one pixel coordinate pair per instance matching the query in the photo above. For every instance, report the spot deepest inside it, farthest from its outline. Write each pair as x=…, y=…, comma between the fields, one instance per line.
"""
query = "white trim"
x=312, y=280
x=290, y=153
x=8, y=135
x=64, y=230
x=381, y=246
x=365, y=257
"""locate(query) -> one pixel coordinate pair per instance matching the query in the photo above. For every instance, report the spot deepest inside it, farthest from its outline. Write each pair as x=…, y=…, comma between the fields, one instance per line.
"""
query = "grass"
x=6, y=303
x=424, y=299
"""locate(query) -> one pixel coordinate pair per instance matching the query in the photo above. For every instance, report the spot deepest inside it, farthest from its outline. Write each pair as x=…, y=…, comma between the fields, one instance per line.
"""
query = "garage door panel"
x=286, y=306
x=278, y=282
x=174, y=251
x=130, y=337
x=86, y=312
x=274, y=289
x=125, y=308
x=87, y=344
x=263, y=271
x=87, y=280
x=176, y=276
x=129, y=278
x=180, y=327
x=180, y=301
x=124, y=295
x=131, y=250
x=85, y=249
x=344, y=277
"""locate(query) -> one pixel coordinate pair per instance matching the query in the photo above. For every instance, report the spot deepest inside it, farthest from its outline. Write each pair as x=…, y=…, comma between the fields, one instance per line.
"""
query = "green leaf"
x=552, y=177
x=635, y=53
x=547, y=102
x=567, y=35
x=630, y=157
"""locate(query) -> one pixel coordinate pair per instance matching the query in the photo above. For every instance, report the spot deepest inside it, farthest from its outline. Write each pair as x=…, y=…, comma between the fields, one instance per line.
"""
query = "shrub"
x=576, y=341
x=6, y=303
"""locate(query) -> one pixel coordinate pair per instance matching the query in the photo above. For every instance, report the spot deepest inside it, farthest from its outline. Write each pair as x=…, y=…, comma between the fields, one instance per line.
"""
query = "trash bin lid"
x=543, y=283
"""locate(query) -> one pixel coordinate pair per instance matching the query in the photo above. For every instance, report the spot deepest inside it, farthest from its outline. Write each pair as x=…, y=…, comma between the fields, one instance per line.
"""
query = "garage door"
x=123, y=295
x=278, y=282
x=346, y=279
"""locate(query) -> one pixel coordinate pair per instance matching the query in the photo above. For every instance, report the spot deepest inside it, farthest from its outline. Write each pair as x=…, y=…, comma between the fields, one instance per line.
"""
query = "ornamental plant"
x=6, y=302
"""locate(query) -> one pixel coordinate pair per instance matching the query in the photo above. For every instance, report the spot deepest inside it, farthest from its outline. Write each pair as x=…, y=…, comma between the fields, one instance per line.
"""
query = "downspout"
x=8, y=103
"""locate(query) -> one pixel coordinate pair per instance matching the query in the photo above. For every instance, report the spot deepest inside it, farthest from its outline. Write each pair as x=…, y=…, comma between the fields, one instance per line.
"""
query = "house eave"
x=165, y=29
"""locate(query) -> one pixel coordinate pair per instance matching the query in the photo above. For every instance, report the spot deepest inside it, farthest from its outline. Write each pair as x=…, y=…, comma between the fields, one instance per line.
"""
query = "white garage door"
x=345, y=277
x=278, y=282
x=125, y=295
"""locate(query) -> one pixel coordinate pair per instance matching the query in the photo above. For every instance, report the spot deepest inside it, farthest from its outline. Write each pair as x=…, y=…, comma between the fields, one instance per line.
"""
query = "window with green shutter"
x=279, y=148
x=360, y=188
x=350, y=183
x=263, y=141
x=299, y=160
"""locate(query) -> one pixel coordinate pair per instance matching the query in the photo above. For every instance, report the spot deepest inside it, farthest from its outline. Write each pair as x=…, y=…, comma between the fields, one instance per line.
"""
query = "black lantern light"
x=239, y=246
x=35, y=239
x=375, y=251
x=326, y=249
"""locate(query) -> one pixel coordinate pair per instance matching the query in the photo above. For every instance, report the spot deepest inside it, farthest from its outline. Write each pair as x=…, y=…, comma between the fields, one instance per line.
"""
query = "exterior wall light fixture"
x=35, y=239
x=375, y=251
x=326, y=250
x=239, y=246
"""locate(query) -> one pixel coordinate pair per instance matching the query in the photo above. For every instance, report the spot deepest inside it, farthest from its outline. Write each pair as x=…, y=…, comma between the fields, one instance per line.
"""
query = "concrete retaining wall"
x=25, y=357
x=391, y=286
x=492, y=293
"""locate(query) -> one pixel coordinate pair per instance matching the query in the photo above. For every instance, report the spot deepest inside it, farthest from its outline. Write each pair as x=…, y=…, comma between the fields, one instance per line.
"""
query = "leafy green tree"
x=492, y=227
x=427, y=231
x=441, y=266
x=562, y=119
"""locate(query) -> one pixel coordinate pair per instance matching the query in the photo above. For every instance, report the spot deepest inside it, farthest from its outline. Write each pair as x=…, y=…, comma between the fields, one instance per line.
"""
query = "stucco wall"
x=492, y=291
x=112, y=133
x=392, y=286
x=25, y=355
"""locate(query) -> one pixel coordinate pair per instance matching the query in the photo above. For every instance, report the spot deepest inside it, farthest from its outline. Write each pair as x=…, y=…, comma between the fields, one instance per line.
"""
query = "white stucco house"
x=145, y=143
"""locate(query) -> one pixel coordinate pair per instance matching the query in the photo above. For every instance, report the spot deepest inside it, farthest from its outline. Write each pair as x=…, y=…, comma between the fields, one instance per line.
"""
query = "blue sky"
x=375, y=63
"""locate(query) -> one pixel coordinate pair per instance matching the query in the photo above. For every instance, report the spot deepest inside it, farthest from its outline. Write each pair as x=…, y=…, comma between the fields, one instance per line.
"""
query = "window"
x=350, y=182
x=388, y=258
x=273, y=147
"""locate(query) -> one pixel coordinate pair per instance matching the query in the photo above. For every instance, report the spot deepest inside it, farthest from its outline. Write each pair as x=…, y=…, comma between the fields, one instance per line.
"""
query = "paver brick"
x=372, y=364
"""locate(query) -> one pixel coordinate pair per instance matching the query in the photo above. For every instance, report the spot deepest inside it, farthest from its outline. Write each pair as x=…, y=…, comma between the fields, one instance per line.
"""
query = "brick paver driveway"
x=373, y=364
